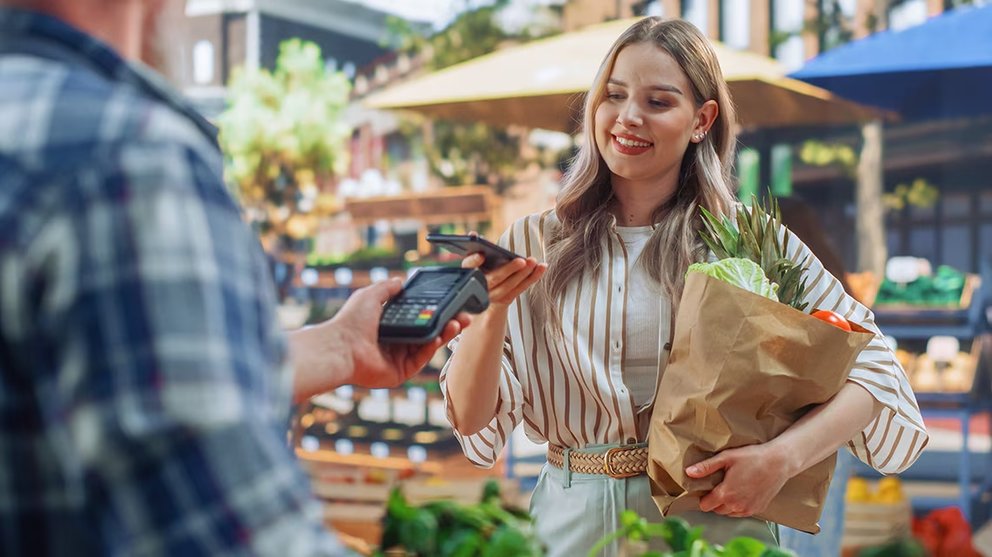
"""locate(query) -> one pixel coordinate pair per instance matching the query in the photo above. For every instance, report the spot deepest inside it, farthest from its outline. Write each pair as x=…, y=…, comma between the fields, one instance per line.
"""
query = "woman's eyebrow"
x=657, y=87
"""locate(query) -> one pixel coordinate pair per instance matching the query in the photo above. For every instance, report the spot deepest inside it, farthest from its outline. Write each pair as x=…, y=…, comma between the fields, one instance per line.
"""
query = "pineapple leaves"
x=753, y=233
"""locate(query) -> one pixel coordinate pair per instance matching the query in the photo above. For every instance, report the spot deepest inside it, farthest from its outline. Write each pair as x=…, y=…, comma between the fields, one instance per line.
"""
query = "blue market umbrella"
x=940, y=68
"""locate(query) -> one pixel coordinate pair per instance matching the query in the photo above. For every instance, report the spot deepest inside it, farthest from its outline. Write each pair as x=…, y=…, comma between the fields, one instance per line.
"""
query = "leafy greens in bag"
x=740, y=272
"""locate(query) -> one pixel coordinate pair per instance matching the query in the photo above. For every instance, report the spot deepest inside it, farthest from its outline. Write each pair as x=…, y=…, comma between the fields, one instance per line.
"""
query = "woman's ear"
x=705, y=117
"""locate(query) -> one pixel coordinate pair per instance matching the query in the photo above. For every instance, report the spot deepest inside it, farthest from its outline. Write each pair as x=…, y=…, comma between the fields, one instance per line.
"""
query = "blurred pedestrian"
x=574, y=342
x=144, y=382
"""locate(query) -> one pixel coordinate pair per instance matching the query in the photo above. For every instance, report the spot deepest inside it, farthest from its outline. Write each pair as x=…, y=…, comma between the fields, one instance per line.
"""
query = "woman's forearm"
x=826, y=428
x=473, y=373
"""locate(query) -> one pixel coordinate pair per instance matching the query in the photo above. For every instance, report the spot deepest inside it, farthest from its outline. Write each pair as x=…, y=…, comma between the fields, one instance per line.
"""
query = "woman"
x=577, y=358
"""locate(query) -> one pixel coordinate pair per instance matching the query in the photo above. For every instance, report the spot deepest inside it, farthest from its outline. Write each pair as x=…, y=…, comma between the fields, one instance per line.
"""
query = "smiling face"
x=647, y=118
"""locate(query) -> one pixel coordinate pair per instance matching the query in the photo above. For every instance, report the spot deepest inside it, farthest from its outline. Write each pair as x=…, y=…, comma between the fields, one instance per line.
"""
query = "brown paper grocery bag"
x=742, y=369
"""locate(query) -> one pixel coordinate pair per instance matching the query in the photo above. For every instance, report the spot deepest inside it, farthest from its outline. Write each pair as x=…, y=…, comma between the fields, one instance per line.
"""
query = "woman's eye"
x=614, y=96
x=658, y=103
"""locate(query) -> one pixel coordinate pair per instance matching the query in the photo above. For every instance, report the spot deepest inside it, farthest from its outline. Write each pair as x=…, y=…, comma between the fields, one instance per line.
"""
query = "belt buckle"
x=608, y=464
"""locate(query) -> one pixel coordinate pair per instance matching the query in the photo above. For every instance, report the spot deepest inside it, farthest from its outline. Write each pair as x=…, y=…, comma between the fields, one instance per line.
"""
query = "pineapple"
x=754, y=236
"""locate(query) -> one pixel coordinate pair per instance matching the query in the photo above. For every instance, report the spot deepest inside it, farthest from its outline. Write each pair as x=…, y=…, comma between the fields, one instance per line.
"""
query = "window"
x=787, y=26
x=907, y=14
x=836, y=22
x=203, y=62
x=648, y=8
x=735, y=23
x=695, y=12
x=953, y=232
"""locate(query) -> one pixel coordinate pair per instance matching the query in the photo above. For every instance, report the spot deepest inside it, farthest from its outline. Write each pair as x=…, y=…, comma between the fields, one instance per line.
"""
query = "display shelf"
x=913, y=326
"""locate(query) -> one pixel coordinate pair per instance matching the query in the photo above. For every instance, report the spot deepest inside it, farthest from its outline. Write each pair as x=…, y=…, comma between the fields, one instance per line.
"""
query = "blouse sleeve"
x=897, y=436
x=484, y=447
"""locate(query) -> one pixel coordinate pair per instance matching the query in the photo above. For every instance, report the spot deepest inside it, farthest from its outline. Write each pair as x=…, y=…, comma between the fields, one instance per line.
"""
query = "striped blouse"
x=568, y=390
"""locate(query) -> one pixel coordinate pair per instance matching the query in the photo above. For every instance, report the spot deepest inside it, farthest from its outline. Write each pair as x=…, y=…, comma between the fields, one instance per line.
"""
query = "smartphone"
x=466, y=244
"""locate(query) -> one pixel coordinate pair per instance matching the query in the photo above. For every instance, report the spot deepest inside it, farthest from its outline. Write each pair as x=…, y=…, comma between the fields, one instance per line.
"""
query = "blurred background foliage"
x=285, y=140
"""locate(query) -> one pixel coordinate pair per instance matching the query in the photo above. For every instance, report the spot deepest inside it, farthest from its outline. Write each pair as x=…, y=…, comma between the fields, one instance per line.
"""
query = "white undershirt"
x=640, y=365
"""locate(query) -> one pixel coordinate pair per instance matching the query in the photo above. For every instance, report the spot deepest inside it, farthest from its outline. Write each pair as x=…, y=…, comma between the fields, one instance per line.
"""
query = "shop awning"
x=940, y=68
x=540, y=84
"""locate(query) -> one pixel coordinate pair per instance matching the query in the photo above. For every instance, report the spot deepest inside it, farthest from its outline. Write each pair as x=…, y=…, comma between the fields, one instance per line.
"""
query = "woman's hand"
x=509, y=281
x=753, y=476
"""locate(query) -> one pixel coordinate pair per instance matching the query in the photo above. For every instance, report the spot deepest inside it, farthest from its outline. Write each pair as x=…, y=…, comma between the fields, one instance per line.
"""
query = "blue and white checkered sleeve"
x=172, y=381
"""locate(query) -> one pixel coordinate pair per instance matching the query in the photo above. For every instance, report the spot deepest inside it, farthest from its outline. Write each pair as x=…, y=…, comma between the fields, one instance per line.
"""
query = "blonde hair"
x=575, y=245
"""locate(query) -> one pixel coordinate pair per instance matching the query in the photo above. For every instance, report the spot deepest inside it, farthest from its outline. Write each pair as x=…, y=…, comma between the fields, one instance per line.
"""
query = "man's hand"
x=345, y=350
x=384, y=365
x=753, y=476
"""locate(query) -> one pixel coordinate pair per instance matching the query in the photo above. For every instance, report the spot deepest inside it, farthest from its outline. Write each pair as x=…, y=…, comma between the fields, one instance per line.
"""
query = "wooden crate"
x=872, y=524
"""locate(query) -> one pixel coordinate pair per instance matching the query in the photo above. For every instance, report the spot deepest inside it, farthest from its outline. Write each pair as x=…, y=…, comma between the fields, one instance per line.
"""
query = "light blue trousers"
x=573, y=511
x=828, y=542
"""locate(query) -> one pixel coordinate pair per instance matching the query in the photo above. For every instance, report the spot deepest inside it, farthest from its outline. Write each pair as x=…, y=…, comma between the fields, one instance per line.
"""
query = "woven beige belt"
x=618, y=462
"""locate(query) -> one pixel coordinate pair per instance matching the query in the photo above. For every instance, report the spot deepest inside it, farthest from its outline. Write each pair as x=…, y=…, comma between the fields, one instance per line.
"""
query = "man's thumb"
x=384, y=290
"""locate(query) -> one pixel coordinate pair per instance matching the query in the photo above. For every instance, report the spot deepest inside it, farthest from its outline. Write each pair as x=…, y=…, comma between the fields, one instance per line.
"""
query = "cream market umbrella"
x=540, y=84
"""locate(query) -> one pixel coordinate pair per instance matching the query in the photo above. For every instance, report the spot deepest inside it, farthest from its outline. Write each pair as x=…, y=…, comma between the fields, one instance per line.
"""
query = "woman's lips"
x=638, y=147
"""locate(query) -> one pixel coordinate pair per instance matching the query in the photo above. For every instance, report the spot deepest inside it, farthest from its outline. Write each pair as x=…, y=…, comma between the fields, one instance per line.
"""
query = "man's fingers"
x=425, y=353
x=464, y=319
x=450, y=331
x=382, y=291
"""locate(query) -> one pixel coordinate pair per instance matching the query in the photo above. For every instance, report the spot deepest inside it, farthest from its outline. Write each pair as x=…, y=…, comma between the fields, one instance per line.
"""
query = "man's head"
x=147, y=30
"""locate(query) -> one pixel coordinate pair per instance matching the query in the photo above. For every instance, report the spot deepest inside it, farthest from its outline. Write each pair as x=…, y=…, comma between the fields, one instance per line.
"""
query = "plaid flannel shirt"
x=144, y=390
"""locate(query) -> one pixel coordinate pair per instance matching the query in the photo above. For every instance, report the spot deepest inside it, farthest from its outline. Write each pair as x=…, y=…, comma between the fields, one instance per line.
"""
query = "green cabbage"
x=740, y=272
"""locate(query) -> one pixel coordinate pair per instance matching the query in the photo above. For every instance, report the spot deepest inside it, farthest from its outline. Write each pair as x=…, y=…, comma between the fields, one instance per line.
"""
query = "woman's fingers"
x=509, y=289
x=473, y=261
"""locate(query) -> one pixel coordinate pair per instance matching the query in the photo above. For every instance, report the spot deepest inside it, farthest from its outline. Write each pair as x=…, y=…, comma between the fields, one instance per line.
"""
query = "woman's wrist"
x=788, y=459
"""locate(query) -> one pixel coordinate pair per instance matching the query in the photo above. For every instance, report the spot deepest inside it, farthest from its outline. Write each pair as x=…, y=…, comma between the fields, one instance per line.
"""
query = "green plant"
x=462, y=153
x=819, y=153
x=682, y=540
x=283, y=137
x=920, y=193
x=446, y=528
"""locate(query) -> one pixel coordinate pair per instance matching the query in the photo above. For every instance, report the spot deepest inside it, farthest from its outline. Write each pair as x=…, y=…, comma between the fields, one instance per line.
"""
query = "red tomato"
x=832, y=318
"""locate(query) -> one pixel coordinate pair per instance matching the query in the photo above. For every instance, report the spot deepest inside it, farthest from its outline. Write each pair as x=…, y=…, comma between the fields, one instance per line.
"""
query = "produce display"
x=927, y=376
x=876, y=515
x=492, y=529
x=683, y=540
x=941, y=289
x=889, y=490
x=446, y=528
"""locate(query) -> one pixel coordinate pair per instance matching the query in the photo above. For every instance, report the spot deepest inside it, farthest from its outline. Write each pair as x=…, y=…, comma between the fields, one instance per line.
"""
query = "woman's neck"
x=635, y=204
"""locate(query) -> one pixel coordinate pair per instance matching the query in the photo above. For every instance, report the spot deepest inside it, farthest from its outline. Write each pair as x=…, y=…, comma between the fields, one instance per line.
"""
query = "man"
x=143, y=388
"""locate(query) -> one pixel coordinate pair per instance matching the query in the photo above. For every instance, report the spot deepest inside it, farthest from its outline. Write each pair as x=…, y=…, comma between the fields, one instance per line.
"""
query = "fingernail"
x=692, y=470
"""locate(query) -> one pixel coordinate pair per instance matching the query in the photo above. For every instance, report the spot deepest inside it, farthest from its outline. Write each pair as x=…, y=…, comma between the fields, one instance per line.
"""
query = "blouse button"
x=631, y=440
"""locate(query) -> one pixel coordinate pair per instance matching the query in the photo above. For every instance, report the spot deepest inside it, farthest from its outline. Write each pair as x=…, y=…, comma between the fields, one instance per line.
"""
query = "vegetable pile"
x=942, y=289
x=683, y=540
x=447, y=528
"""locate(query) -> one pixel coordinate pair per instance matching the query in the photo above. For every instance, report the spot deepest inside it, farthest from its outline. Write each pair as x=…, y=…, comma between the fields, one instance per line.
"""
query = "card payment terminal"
x=429, y=299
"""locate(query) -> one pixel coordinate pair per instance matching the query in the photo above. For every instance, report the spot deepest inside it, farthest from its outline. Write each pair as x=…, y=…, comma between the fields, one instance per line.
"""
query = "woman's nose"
x=629, y=115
